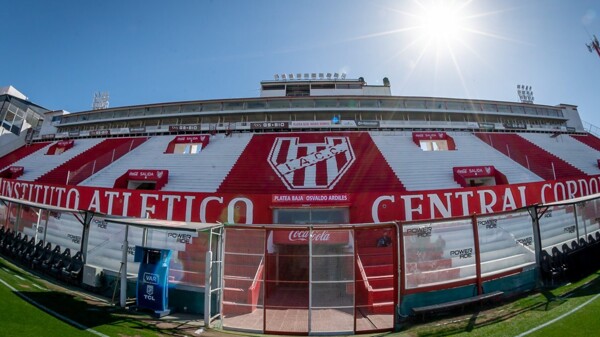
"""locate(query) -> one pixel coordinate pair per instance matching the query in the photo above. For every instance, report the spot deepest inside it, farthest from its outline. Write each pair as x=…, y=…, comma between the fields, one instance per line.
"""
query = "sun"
x=442, y=21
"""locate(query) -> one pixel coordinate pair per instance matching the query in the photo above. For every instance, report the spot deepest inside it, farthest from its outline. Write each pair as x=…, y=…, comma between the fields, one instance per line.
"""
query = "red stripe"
x=340, y=159
x=299, y=174
x=283, y=151
x=321, y=170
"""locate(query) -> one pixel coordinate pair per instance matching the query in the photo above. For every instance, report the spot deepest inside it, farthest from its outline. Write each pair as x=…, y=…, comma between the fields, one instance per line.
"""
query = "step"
x=368, y=260
x=379, y=270
x=382, y=294
x=385, y=281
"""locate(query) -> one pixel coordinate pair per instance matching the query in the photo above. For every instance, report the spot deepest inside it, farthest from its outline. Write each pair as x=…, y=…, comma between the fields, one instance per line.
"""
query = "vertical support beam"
x=477, y=254
x=535, y=222
x=37, y=224
x=207, y=286
x=18, y=218
x=398, y=272
x=46, y=225
x=85, y=235
x=354, y=262
x=144, y=236
x=576, y=223
x=123, y=293
x=402, y=264
x=310, y=288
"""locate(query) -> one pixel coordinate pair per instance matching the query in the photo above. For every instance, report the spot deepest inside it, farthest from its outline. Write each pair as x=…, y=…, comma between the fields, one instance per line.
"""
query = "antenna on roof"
x=100, y=100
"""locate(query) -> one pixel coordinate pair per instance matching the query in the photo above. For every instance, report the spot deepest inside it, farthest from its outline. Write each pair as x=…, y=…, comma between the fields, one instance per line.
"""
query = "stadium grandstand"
x=326, y=205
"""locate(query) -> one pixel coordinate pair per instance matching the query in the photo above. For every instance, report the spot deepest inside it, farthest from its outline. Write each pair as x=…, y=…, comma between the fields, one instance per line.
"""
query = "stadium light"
x=343, y=76
x=336, y=75
x=276, y=77
x=525, y=93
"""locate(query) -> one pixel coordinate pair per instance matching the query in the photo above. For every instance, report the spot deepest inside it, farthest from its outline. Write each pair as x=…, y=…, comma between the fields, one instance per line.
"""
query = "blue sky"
x=59, y=53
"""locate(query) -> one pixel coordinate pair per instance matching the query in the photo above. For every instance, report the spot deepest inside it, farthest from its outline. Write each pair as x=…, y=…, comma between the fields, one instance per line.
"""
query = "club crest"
x=311, y=166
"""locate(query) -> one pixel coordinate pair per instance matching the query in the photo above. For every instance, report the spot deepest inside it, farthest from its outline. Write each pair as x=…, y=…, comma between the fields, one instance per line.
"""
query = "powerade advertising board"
x=153, y=279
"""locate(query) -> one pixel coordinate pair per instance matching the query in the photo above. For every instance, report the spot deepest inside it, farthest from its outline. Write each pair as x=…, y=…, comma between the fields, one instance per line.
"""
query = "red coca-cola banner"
x=474, y=171
x=195, y=139
x=16, y=169
x=417, y=136
x=152, y=175
x=301, y=237
x=461, y=174
x=60, y=147
x=12, y=172
x=160, y=177
x=65, y=143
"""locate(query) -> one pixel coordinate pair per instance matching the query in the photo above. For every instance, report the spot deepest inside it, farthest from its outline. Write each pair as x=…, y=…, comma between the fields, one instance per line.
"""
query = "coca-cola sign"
x=190, y=139
x=302, y=237
x=429, y=135
x=16, y=169
x=65, y=143
x=147, y=174
x=475, y=171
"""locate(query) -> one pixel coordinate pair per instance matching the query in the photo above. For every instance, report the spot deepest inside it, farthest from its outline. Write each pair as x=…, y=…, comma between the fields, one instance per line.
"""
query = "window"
x=279, y=104
x=415, y=104
x=233, y=106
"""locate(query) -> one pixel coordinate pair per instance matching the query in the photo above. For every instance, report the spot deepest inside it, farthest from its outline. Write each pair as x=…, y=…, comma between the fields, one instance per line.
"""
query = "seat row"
x=42, y=256
x=571, y=262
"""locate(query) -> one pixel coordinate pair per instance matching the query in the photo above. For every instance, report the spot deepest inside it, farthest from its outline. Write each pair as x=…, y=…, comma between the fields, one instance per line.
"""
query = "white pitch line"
x=52, y=312
x=19, y=277
x=559, y=317
x=41, y=288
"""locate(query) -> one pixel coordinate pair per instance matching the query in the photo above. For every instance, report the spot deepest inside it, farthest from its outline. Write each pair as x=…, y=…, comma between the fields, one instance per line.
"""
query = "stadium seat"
x=38, y=250
x=72, y=272
x=53, y=257
x=41, y=256
x=549, y=274
x=17, y=244
x=63, y=260
x=26, y=249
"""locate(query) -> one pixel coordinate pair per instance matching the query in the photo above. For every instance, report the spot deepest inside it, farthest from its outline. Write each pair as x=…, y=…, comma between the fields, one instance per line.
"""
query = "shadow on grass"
x=549, y=300
x=93, y=316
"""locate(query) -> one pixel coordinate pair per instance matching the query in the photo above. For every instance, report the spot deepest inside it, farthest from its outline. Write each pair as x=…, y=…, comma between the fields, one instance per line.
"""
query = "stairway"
x=21, y=153
x=374, y=273
x=94, y=159
x=531, y=156
x=244, y=271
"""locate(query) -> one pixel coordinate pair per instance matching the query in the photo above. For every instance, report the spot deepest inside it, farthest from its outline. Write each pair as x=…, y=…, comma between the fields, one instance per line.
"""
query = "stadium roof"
x=165, y=224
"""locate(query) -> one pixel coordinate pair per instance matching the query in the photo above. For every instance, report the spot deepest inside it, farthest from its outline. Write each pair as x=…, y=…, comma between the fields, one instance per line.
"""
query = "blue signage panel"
x=153, y=279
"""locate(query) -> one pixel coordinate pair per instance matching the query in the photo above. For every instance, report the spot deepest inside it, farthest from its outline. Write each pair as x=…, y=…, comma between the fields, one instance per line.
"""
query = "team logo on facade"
x=159, y=174
x=311, y=166
x=488, y=170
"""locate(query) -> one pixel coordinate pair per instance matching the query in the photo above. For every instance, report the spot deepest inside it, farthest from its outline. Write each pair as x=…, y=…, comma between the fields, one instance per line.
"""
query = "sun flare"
x=443, y=21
